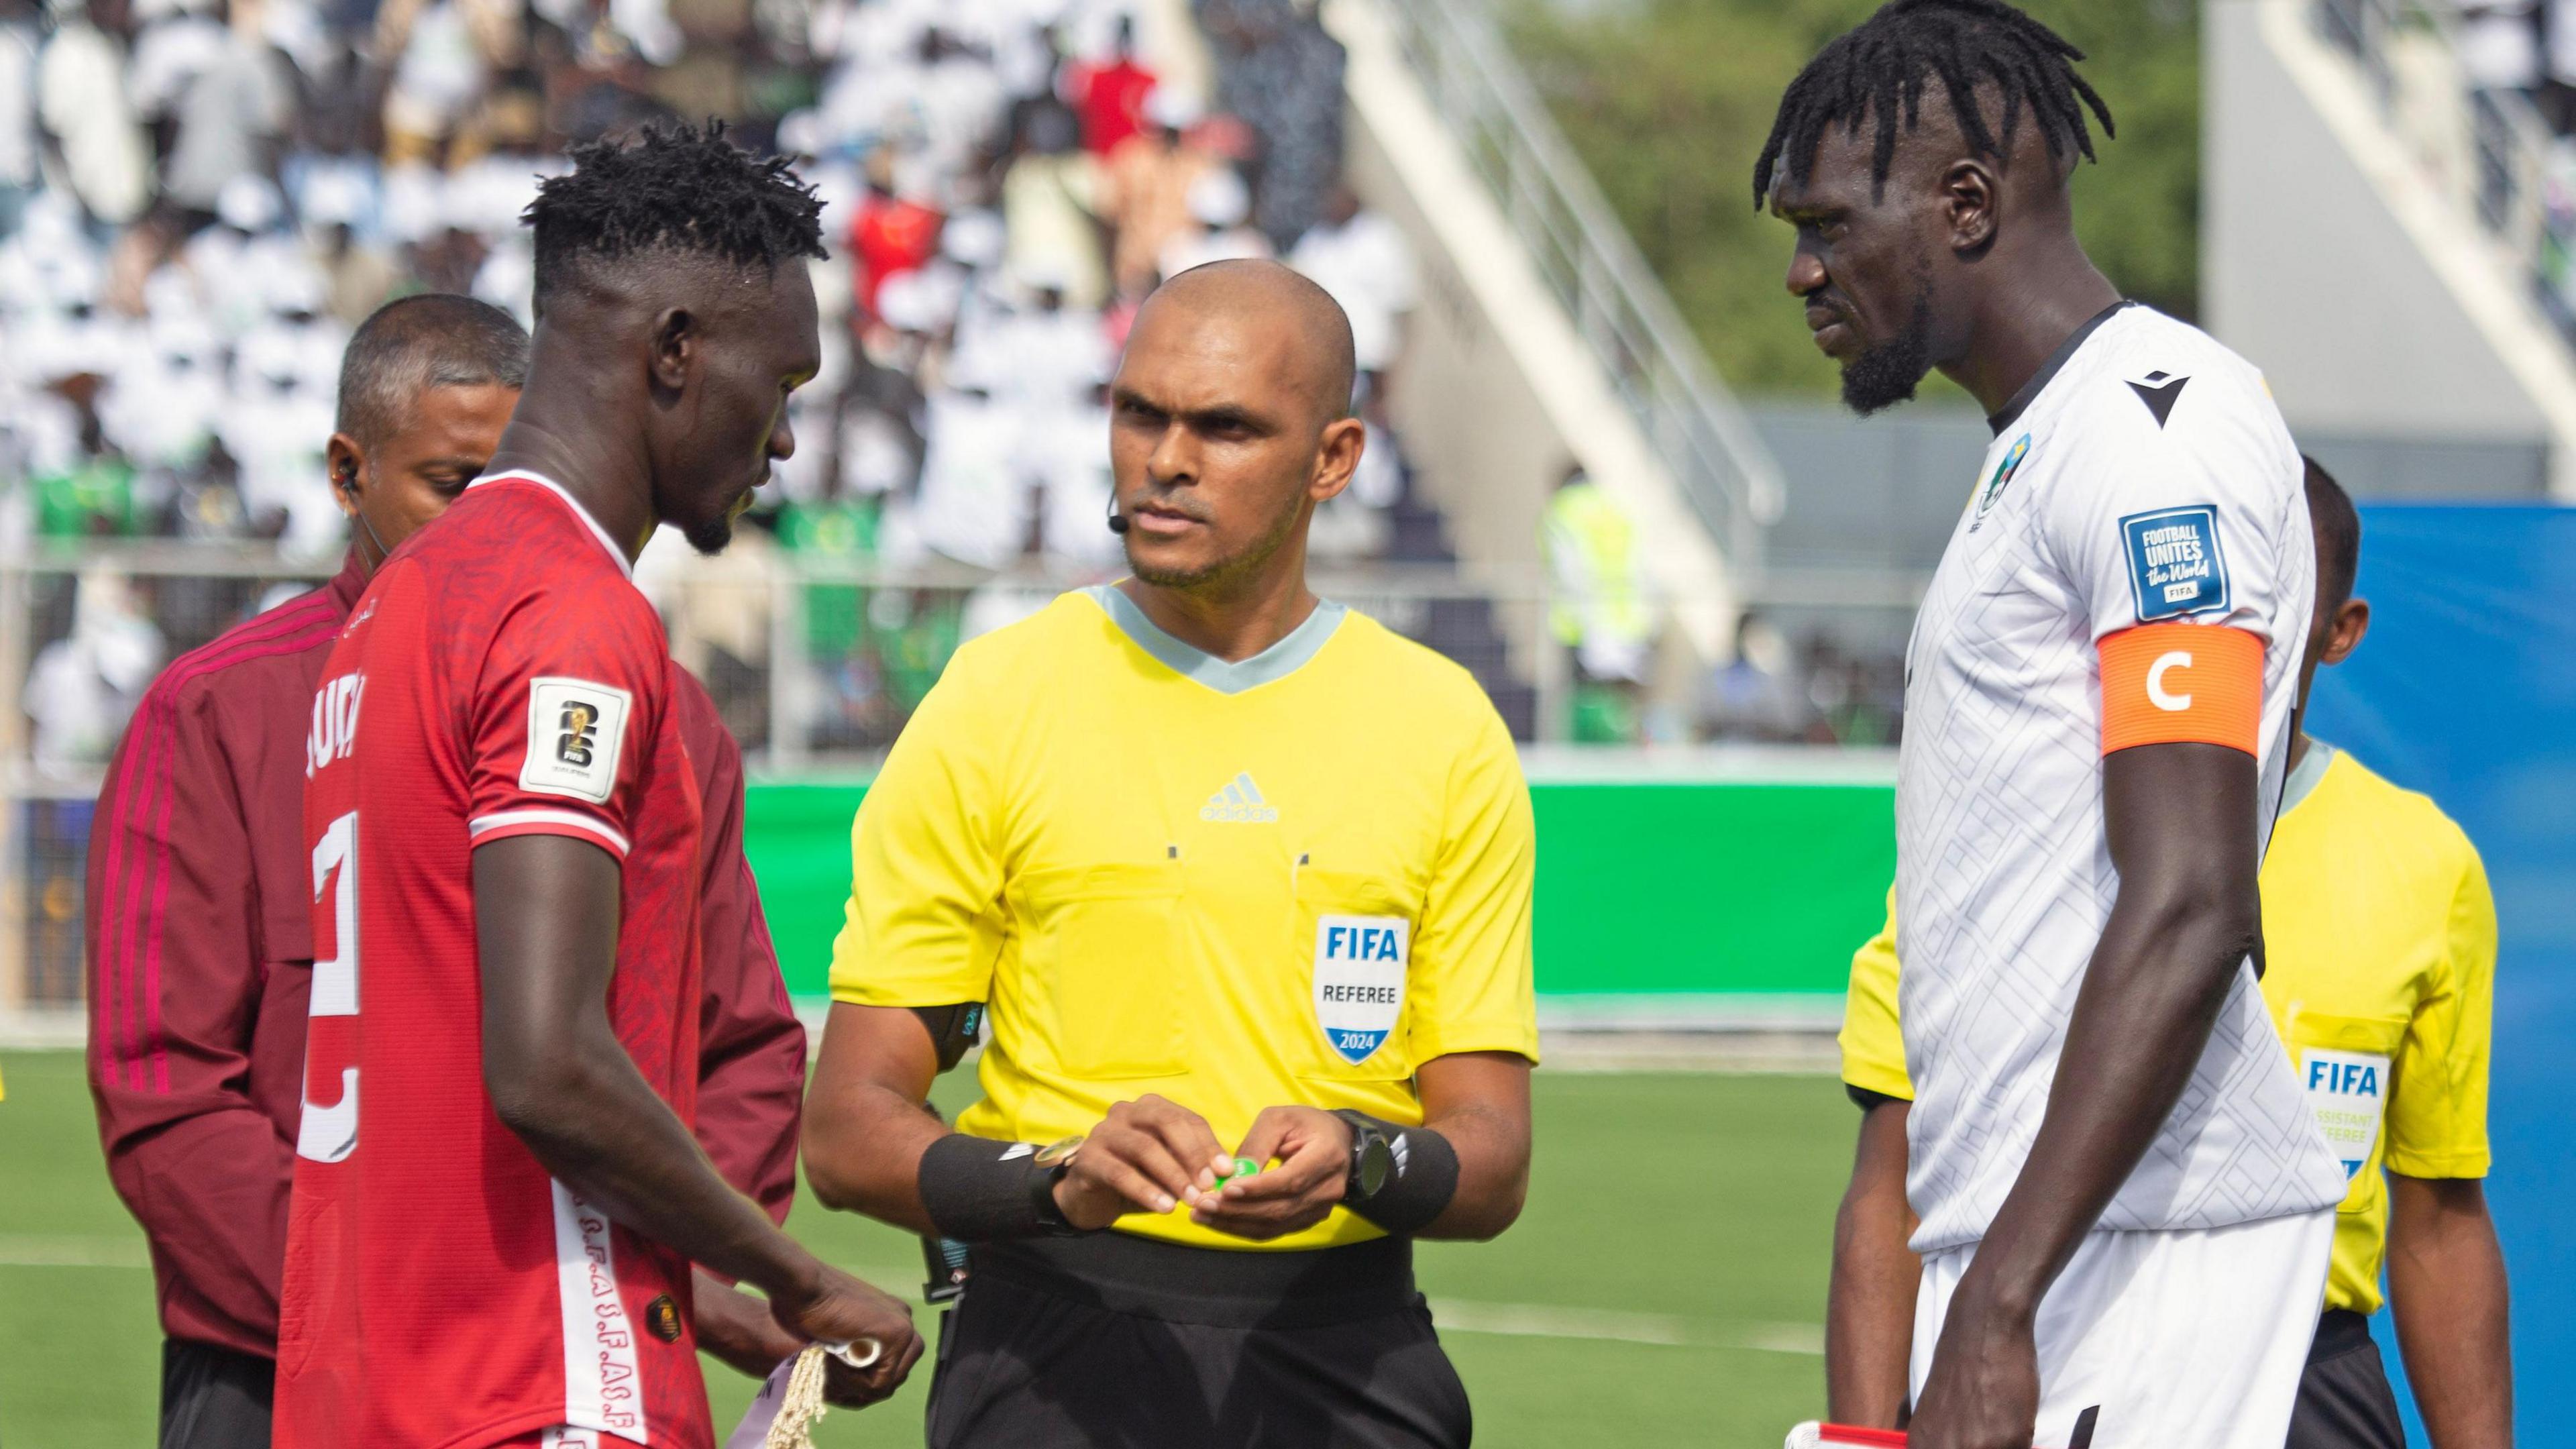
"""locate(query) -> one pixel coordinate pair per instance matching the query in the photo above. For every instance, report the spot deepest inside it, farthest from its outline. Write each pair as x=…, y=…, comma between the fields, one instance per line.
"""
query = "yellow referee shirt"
x=2380, y=943
x=1288, y=880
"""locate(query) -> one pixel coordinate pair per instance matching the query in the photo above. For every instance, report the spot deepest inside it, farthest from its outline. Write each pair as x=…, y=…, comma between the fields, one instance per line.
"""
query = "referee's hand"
x=1312, y=1148
x=1147, y=1156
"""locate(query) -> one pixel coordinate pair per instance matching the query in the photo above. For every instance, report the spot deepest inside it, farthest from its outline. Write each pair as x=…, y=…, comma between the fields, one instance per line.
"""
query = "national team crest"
x=1360, y=963
x=2004, y=472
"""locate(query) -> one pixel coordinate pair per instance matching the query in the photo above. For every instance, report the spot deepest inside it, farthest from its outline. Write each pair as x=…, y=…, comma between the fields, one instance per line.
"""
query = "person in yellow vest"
x=1599, y=612
x=2380, y=941
x=1241, y=881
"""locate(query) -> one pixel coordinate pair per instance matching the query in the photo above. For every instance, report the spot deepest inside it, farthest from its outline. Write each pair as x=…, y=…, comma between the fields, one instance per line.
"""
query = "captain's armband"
x=2166, y=684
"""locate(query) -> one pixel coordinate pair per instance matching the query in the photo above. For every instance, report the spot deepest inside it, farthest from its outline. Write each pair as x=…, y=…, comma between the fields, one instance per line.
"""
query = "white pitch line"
x=1666, y=1330
x=20, y=1251
x=1454, y=1315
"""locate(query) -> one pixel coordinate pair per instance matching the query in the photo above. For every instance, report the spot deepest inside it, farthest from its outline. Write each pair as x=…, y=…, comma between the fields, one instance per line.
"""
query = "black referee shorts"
x=2345, y=1399
x=1115, y=1342
x=214, y=1398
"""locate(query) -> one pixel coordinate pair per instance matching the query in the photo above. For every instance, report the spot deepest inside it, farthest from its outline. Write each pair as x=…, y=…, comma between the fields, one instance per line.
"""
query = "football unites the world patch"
x=1360, y=963
x=576, y=730
x=2176, y=566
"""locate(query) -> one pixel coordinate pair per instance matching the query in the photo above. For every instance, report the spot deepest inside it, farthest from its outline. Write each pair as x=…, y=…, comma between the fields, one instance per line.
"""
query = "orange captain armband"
x=2169, y=684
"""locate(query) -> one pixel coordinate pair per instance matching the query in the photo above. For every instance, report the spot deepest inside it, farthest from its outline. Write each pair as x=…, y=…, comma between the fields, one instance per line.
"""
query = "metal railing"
x=2488, y=149
x=815, y=665
x=1589, y=262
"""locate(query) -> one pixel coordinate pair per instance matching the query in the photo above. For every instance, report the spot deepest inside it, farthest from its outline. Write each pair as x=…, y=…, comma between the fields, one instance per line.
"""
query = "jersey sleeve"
x=924, y=922
x=2179, y=521
x=1470, y=978
x=2437, y=1114
x=568, y=698
x=1872, y=1040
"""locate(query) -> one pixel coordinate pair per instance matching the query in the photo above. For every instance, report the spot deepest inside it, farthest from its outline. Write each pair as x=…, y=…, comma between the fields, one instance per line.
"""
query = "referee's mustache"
x=1168, y=501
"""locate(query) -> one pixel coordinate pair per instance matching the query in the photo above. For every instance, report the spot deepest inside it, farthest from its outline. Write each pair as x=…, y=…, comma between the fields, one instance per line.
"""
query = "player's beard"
x=1215, y=576
x=710, y=536
x=1887, y=373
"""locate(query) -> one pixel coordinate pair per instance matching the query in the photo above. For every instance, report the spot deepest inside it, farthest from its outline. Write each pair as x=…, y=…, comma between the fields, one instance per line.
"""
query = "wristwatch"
x=1050, y=1165
x=1372, y=1158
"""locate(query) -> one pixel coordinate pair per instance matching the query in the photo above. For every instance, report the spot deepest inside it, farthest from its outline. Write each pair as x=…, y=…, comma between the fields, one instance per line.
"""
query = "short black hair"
x=1878, y=70
x=412, y=344
x=2338, y=528
x=674, y=188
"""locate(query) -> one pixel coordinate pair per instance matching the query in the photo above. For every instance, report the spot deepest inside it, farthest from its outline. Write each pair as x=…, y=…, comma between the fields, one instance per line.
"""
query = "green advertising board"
x=1650, y=893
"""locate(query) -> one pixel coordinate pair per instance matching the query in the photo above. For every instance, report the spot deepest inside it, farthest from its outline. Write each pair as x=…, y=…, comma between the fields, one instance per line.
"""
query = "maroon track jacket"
x=200, y=955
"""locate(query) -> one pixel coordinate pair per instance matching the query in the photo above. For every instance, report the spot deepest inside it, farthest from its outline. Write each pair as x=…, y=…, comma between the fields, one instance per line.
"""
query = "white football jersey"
x=2143, y=476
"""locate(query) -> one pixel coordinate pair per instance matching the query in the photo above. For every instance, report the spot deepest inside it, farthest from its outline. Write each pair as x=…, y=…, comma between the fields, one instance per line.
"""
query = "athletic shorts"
x=568, y=1438
x=2345, y=1399
x=214, y=1398
x=1117, y=1342
x=2166, y=1339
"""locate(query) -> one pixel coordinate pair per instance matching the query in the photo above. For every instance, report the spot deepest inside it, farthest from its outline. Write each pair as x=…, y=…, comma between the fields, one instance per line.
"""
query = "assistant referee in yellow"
x=2381, y=942
x=1232, y=873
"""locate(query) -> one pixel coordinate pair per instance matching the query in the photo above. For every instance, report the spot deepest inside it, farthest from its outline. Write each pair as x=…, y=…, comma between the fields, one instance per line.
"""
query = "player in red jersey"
x=497, y=1199
x=199, y=922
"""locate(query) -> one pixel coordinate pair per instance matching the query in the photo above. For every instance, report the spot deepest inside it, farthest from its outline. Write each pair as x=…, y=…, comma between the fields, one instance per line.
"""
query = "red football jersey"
x=501, y=676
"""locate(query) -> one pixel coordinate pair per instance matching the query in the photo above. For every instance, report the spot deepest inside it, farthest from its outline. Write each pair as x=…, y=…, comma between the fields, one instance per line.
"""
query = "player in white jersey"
x=2125, y=1204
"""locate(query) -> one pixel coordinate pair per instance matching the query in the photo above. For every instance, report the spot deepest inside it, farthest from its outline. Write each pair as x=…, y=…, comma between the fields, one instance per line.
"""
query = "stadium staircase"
x=2389, y=242
x=1542, y=340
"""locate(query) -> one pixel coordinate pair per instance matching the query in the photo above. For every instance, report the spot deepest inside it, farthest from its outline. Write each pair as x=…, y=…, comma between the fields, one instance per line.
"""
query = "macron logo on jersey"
x=1239, y=803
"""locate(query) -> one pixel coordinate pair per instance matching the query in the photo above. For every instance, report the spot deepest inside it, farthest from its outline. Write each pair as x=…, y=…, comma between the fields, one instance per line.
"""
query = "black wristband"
x=1420, y=1183
x=977, y=1190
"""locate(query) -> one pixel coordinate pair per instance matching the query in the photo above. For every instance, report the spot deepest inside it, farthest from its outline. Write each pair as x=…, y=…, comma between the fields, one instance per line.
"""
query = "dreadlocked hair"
x=672, y=188
x=1879, y=68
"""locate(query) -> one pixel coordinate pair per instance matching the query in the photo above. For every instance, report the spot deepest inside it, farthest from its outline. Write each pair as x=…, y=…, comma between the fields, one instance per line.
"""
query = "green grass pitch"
x=1665, y=1287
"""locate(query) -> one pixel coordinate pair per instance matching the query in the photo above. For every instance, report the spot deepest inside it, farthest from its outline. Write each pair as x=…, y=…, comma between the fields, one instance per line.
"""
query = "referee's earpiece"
x=1117, y=520
x=347, y=478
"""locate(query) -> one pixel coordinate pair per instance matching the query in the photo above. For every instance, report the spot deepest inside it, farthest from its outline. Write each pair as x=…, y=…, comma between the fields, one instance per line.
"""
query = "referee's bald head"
x=1324, y=364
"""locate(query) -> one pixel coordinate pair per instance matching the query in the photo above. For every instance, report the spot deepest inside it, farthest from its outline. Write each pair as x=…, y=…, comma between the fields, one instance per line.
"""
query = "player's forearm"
x=2141, y=1021
x=2447, y=1292
x=1869, y=1308
x=595, y=1125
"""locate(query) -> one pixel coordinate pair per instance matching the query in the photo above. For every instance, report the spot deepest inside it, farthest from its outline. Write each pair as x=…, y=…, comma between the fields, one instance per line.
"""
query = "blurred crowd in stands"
x=199, y=199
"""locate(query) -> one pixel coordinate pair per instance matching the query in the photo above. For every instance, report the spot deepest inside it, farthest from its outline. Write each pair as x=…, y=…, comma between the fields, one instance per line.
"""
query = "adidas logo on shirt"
x=1239, y=803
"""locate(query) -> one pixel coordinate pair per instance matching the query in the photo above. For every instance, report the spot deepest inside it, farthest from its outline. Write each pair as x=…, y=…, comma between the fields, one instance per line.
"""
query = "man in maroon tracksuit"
x=199, y=945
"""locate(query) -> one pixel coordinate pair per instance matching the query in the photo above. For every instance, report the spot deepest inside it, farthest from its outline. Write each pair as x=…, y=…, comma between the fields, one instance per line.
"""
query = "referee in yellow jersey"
x=1231, y=873
x=2380, y=941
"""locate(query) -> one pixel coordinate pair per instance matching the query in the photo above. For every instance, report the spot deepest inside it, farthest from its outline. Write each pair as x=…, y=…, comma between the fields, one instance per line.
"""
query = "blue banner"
x=2466, y=689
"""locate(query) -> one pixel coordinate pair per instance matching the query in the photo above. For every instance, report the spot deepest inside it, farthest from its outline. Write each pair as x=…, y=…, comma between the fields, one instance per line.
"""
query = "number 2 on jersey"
x=329, y=1134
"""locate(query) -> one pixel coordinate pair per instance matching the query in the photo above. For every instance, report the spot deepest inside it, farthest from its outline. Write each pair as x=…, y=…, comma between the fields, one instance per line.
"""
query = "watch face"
x=1057, y=1153
x=1376, y=1162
